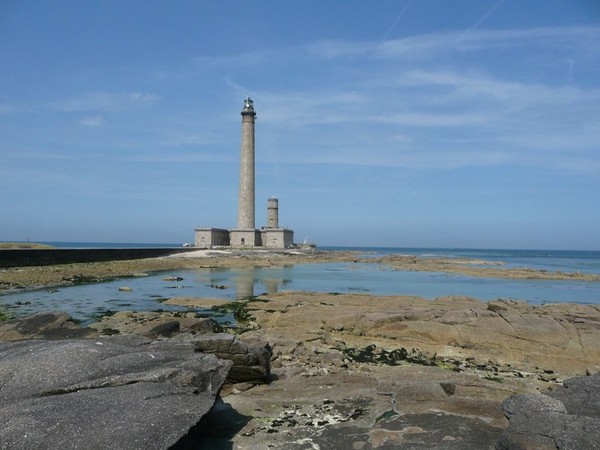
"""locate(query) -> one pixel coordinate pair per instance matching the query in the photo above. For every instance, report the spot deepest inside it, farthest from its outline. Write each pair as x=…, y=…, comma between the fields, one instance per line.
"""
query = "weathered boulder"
x=113, y=393
x=154, y=324
x=566, y=418
x=51, y=325
x=251, y=359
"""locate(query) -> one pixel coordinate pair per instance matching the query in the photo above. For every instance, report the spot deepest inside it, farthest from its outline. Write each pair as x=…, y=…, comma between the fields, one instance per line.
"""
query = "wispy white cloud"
x=581, y=36
x=502, y=116
x=410, y=157
x=252, y=58
x=104, y=101
x=38, y=154
x=429, y=120
x=91, y=121
x=396, y=103
x=7, y=109
x=186, y=140
x=469, y=85
x=427, y=92
x=181, y=157
x=330, y=49
x=399, y=138
x=484, y=17
x=310, y=107
x=425, y=46
x=142, y=98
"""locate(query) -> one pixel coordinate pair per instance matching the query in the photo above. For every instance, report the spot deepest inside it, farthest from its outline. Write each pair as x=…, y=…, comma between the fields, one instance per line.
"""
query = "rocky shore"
x=478, y=268
x=322, y=371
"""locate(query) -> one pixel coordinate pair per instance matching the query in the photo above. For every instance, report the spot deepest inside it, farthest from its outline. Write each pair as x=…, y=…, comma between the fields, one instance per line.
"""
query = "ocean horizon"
x=392, y=249
x=543, y=259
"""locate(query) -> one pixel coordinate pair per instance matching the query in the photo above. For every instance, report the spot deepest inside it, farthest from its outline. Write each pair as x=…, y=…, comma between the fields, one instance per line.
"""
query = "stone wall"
x=30, y=257
x=277, y=238
x=245, y=238
x=209, y=237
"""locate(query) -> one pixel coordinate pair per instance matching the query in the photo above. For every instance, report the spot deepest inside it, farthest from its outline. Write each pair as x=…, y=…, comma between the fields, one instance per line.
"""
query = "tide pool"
x=90, y=301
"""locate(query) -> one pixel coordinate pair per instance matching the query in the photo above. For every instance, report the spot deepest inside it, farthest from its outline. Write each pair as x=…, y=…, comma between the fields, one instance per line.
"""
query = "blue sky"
x=439, y=123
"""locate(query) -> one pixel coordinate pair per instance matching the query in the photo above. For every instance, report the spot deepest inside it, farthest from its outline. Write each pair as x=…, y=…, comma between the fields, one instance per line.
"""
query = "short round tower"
x=273, y=213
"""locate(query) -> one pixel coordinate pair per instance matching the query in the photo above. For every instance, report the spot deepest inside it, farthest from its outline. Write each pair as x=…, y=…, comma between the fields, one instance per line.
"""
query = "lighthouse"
x=246, y=206
x=246, y=234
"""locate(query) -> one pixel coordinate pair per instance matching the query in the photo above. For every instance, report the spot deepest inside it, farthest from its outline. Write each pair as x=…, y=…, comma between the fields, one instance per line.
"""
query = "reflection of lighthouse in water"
x=271, y=279
x=244, y=283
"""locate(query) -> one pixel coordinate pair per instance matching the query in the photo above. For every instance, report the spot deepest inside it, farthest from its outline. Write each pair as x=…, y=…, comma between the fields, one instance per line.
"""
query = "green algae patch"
x=387, y=415
x=373, y=354
x=241, y=311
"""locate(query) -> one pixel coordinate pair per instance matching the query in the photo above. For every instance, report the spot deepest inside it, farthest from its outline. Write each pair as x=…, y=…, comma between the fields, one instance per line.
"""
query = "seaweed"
x=395, y=357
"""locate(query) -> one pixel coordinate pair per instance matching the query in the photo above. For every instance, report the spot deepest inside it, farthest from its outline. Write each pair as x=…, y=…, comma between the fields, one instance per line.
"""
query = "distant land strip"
x=23, y=245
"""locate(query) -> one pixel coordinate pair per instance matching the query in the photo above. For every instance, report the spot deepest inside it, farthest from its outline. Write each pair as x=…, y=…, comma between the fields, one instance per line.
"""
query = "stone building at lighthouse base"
x=270, y=236
x=219, y=237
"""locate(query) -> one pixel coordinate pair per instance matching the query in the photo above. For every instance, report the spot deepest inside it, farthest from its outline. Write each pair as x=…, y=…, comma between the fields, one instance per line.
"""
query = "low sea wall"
x=46, y=257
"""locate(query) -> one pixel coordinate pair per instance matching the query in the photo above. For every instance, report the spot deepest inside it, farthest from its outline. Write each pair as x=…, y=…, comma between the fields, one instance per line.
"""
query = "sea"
x=88, y=302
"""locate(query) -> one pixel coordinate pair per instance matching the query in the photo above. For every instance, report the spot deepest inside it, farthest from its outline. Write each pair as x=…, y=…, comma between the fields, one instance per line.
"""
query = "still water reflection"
x=88, y=302
x=244, y=282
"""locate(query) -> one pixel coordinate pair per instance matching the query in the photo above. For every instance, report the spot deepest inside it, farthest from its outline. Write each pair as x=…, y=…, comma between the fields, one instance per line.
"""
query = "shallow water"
x=89, y=302
x=555, y=260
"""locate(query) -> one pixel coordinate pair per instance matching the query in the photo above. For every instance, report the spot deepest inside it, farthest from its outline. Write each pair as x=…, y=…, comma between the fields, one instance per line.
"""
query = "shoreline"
x=37, y=277
x=40, y=277
x=474, y=268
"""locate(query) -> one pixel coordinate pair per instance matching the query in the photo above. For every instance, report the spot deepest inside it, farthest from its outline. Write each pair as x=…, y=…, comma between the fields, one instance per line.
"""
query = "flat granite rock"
x=49, y=325
x=113, y=393
x=384, y=407
x=567, y=418
x=549, y=342
x=153, y=324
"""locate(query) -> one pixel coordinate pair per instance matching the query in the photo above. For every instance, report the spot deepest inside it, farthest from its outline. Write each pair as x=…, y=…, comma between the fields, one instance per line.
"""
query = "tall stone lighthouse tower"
x=246, y=233
x=246, y=207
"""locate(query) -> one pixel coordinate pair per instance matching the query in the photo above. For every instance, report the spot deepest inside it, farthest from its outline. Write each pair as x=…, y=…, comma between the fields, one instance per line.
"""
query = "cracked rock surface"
x=118, y=392
x=565, y=418
x=366, y=407
x=353, y=371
